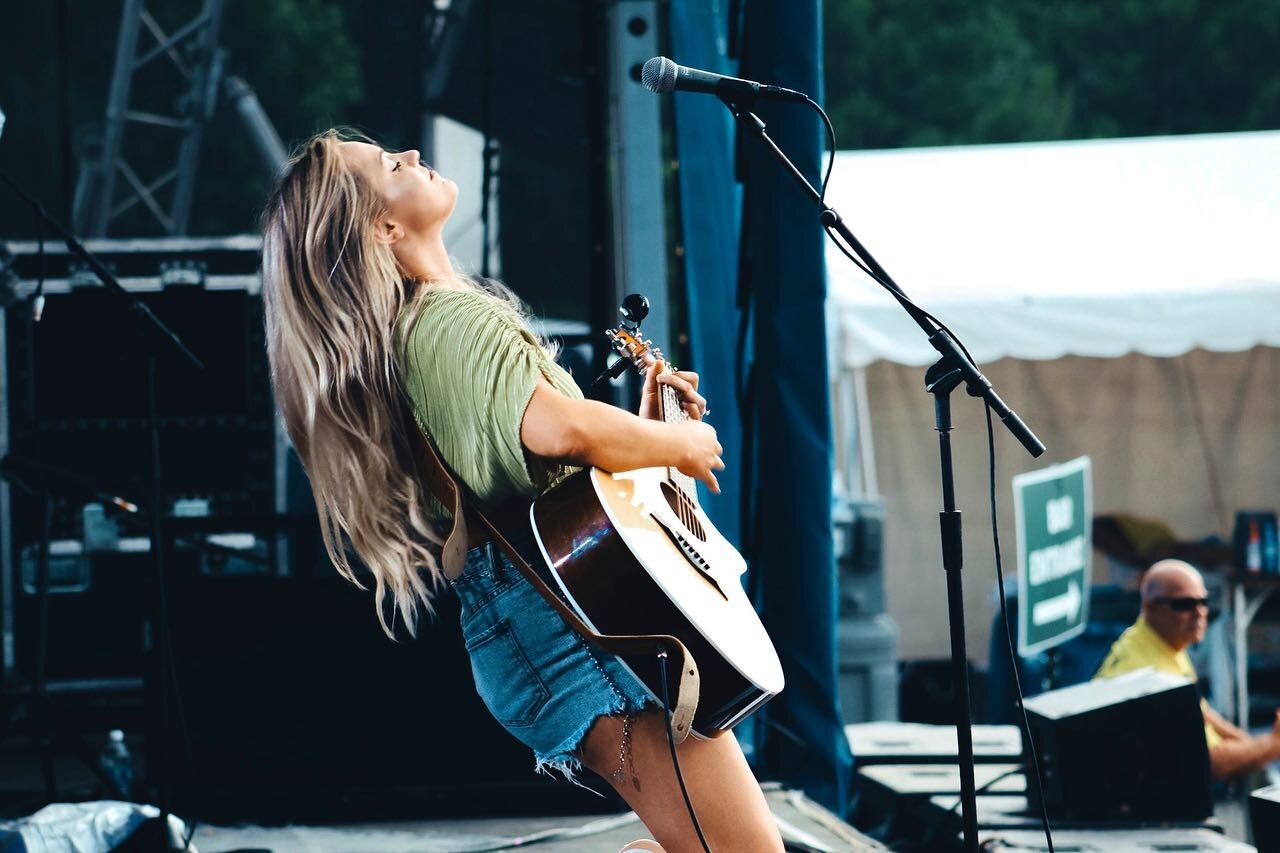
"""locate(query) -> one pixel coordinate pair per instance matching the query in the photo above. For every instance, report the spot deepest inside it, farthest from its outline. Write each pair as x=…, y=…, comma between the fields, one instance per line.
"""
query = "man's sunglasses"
x=1185, y=604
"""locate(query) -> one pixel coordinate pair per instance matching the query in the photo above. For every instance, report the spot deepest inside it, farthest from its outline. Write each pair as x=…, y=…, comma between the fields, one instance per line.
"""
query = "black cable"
x=831, y=156
x=1008, y=633
x=747, y=467
x=40, y=697
x=743, y=382
x=903, y=300
x=893, y=289
x=39, y=688
x=671, y=741
x=987, y=785
x=38, y=297
x=184, y=731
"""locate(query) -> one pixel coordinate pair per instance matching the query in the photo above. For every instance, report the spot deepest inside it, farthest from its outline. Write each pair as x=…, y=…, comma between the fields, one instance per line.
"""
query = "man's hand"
x=685, y=383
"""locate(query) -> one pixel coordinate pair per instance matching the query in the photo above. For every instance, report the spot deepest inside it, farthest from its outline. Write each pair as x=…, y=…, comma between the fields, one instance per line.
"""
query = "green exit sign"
x=1053, y=508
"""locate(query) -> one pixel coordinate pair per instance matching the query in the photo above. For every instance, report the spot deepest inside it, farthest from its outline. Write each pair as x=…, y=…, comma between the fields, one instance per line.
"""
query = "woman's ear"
x=389, y=232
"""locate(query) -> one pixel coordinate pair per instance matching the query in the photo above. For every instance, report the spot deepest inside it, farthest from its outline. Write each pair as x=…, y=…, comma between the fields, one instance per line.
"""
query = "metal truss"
x=192, y=51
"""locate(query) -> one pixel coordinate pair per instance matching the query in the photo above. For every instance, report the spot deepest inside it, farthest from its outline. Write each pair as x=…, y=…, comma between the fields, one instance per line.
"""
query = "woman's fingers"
x=688, y=376
x=714, y=464
x=688, y=390
x=651, y=376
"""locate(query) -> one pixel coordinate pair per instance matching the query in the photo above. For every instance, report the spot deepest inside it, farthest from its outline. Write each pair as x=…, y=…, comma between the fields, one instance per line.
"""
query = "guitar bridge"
x=691, y=554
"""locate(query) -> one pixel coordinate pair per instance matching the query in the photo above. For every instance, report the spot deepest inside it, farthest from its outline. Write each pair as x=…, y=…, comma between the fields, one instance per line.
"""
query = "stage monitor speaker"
x=297, y=707
x=1130, y=747
x=1264, y=816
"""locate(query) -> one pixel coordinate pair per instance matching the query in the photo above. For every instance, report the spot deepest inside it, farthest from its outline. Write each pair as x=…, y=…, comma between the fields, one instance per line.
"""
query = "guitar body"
x=634, y=555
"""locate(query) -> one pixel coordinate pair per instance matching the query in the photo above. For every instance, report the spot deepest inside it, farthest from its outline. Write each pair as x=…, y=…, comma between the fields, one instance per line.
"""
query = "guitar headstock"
x=629, y=345
x=626, y=340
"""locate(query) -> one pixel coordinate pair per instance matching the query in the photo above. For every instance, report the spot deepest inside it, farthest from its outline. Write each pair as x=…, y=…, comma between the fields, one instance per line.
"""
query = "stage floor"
x=805, y=825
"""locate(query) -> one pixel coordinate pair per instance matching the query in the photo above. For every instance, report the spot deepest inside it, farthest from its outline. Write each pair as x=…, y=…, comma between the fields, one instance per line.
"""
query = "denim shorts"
x=542, y=681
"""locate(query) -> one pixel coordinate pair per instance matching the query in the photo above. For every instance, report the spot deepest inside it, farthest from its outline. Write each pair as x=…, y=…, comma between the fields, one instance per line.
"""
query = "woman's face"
x=418, y=200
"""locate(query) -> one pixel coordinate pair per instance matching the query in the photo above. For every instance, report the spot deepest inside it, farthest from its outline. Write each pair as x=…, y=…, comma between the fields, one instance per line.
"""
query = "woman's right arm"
x=588, y=432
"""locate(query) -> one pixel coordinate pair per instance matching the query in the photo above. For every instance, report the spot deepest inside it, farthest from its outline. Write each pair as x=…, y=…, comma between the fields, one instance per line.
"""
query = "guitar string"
x=674, y=413
x=669, y=415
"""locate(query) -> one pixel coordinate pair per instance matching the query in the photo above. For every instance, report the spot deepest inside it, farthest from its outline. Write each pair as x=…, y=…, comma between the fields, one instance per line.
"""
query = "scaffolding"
x=192, y=51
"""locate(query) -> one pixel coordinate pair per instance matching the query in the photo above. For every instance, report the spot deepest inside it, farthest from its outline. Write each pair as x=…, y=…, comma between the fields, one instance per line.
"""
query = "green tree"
x=948, y=72
x=297, y=55
x=300, y=60
x=906, y=73
x=1144, y=67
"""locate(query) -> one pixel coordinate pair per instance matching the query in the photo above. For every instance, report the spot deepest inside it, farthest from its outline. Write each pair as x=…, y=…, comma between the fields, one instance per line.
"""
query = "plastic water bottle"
x=1253, y=548
x=116, y=761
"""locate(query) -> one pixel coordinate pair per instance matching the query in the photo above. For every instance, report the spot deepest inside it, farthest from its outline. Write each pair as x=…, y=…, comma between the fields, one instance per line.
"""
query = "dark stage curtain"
x=778, y=505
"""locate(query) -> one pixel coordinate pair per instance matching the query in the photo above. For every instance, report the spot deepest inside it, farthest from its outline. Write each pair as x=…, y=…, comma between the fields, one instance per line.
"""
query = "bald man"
x=1175, y=614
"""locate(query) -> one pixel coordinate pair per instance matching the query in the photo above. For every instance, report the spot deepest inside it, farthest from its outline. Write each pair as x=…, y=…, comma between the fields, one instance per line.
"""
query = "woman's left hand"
x=685, y=384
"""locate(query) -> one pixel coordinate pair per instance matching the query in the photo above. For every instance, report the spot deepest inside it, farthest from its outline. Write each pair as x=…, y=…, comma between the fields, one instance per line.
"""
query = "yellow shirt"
x=1141, y=646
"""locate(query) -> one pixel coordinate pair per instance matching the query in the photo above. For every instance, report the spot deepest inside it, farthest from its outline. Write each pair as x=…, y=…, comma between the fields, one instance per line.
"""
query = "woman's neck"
x=427, y=260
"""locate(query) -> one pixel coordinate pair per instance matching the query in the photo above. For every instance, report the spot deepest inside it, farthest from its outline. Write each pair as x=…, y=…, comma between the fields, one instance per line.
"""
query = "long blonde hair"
x=333, y=294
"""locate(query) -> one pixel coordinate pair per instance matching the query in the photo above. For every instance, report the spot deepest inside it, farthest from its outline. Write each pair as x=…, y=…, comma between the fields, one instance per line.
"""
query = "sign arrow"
x=1065, y=606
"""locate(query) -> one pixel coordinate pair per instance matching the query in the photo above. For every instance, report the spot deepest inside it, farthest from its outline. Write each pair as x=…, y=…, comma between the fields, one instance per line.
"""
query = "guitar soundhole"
x=685, y=510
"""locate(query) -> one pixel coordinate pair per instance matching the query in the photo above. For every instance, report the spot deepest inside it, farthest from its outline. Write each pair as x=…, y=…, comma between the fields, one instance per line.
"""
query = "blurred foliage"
x=898, y=72
x=903, y=73
x=299, y=59
x=307, y=60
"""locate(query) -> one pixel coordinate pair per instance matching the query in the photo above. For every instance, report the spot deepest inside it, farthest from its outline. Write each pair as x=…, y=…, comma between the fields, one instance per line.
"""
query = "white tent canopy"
x=1037, y=250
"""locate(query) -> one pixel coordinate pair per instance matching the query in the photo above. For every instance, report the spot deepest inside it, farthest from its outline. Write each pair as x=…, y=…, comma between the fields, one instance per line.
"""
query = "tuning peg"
x=635, y=307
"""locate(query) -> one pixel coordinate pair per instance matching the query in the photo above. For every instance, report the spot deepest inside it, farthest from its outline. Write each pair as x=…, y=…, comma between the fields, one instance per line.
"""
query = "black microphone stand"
x=152, y=337
x=952, y=368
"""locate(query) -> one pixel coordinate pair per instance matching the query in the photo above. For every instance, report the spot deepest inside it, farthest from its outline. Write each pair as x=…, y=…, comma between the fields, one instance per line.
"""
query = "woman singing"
x=368, y=324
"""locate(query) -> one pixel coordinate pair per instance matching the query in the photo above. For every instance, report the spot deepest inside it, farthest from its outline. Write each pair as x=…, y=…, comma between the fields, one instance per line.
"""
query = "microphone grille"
x=659, y=75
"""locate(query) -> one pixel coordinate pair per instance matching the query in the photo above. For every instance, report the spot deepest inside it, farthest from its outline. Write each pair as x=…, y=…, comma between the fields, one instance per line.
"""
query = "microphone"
x=661, y=75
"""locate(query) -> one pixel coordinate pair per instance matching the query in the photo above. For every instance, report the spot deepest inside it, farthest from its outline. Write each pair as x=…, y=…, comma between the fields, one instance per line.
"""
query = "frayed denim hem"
x=567, y=766
x=565, y=761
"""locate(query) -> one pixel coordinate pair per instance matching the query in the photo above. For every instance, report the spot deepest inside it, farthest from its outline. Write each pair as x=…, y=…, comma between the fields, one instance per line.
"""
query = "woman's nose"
x=413, y=153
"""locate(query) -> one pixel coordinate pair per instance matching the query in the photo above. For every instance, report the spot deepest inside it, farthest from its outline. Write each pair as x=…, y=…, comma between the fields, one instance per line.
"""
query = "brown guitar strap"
x=449, y=491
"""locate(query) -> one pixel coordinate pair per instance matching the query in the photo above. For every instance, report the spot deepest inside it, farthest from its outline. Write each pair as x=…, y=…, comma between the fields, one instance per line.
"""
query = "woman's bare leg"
x=730, y=805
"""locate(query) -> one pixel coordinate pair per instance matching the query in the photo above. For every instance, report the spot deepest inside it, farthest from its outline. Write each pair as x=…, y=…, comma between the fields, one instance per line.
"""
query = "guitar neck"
x=674, y=413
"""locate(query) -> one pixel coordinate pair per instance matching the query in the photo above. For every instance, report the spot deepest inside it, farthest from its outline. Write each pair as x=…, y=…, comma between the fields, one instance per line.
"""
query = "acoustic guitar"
x=634, y=553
